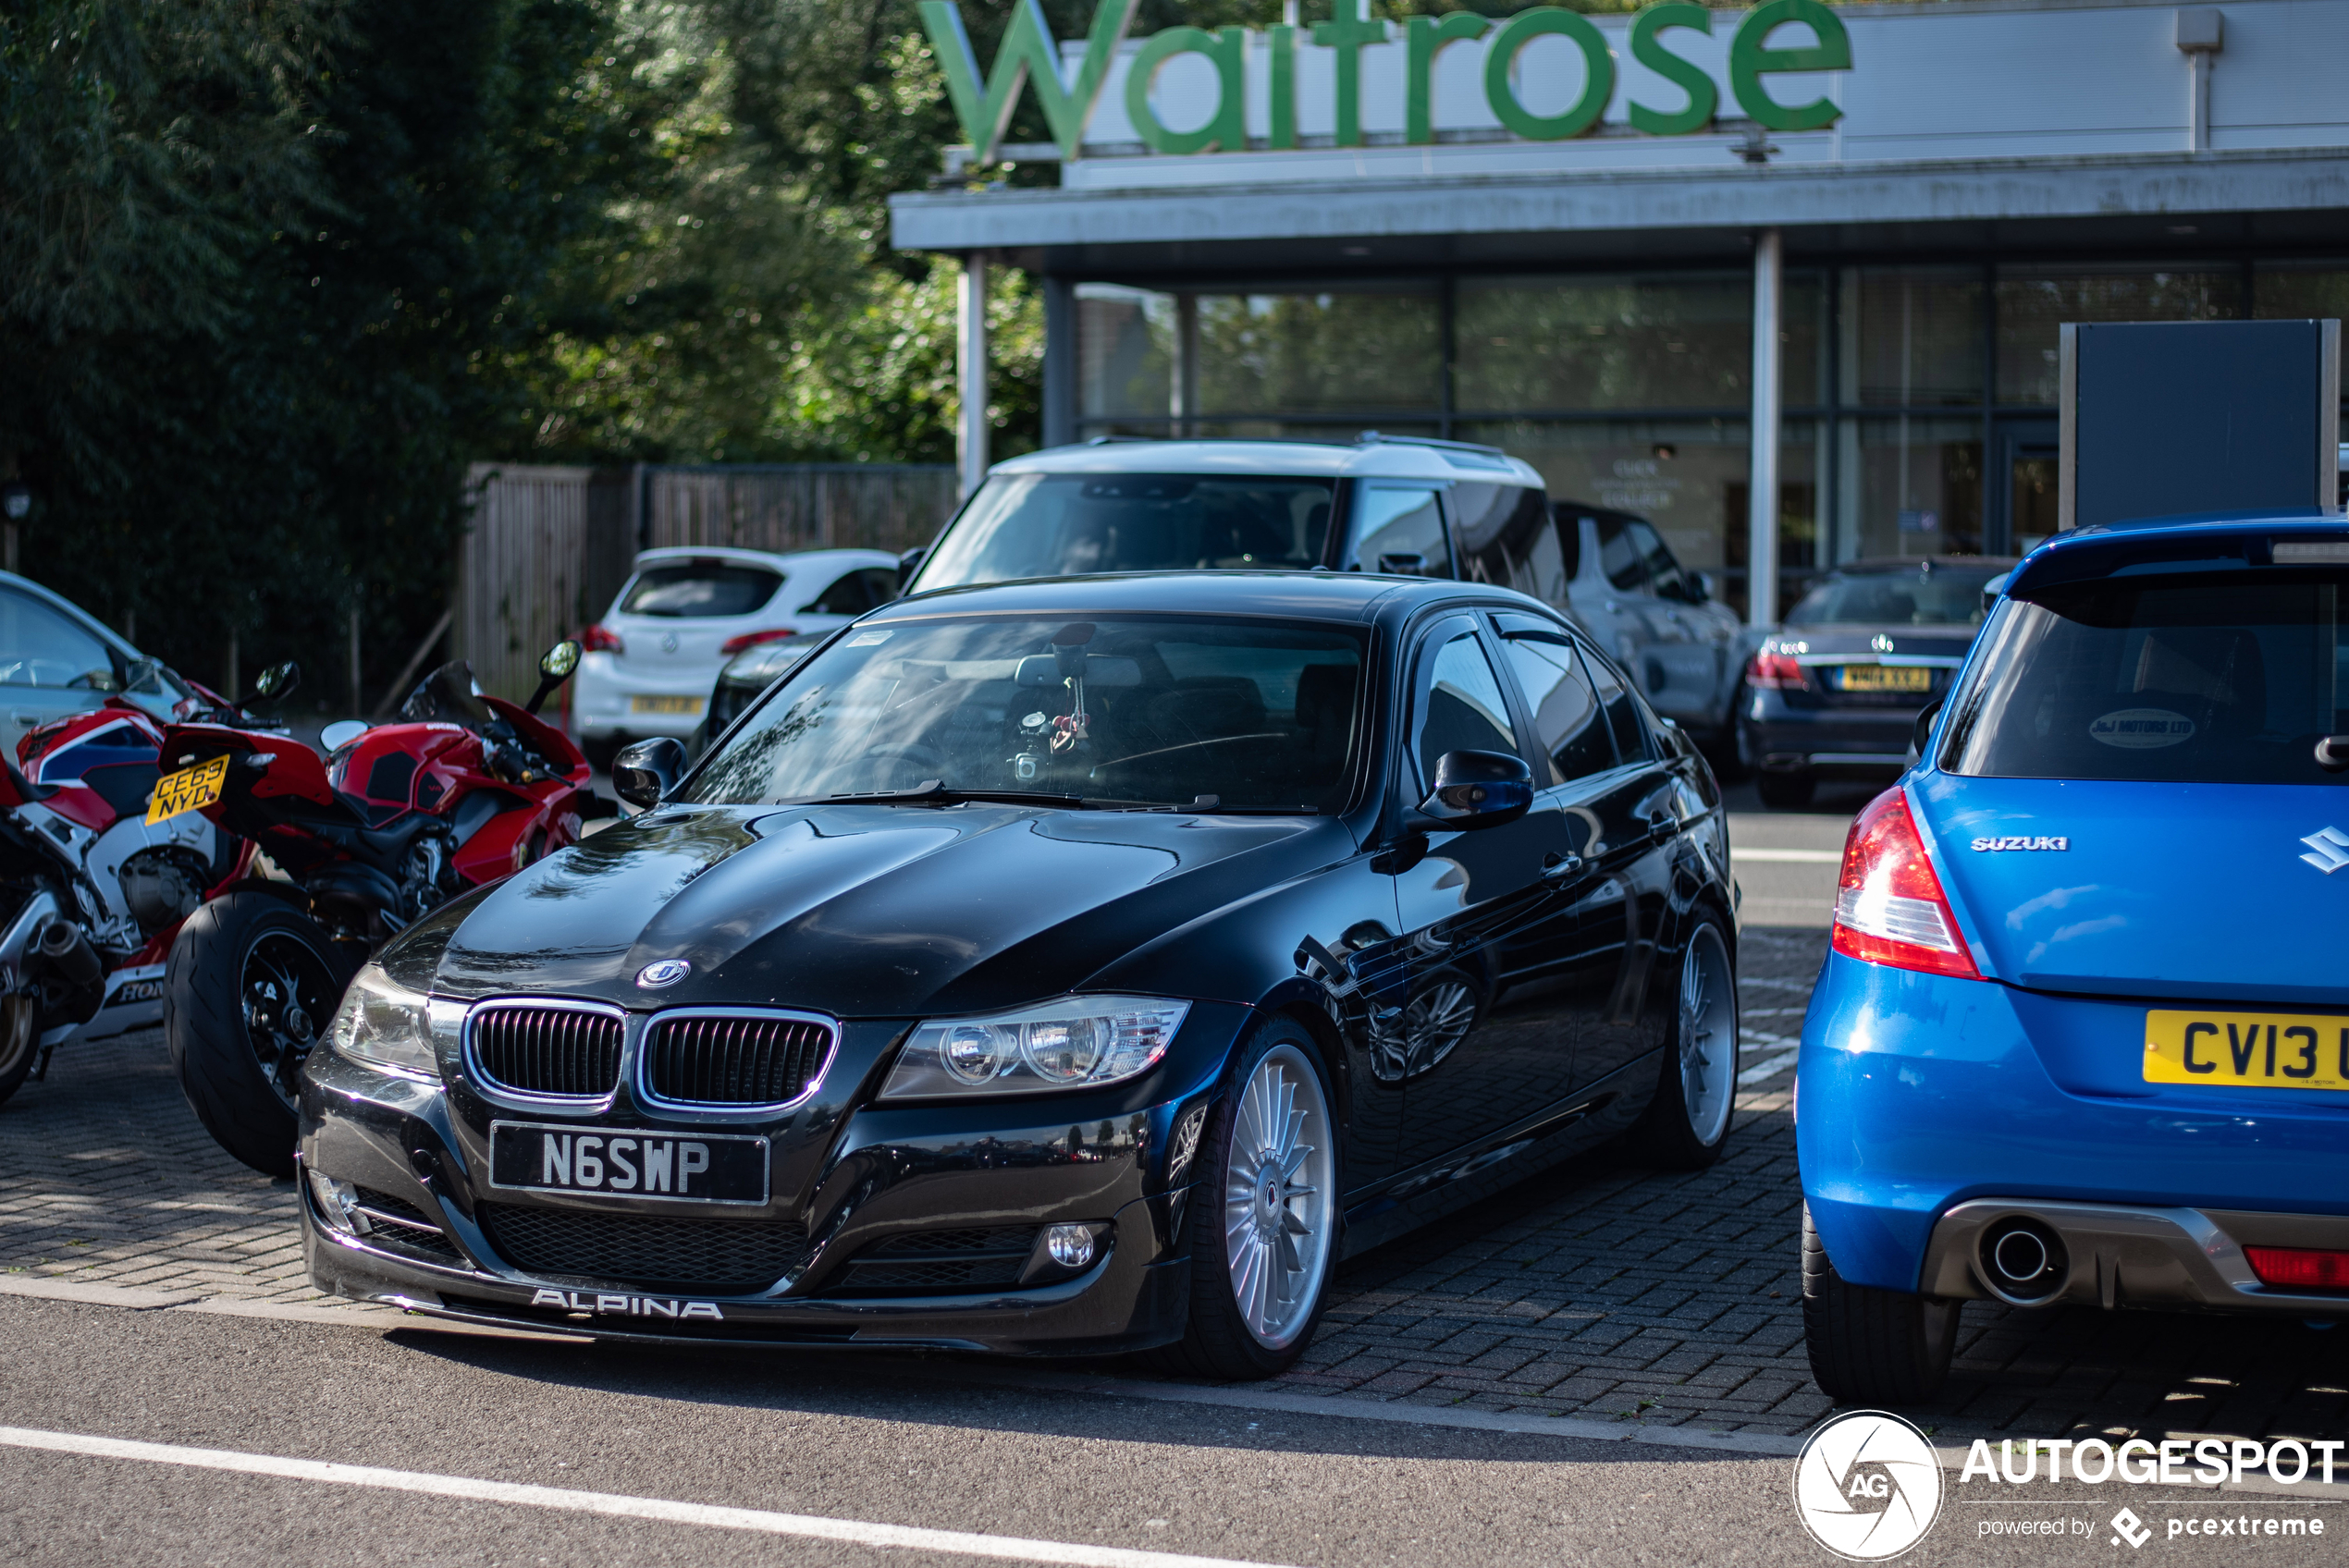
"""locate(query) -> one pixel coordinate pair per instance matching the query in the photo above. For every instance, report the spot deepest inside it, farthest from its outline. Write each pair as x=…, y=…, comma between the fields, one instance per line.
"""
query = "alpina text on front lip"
x=626, y=1305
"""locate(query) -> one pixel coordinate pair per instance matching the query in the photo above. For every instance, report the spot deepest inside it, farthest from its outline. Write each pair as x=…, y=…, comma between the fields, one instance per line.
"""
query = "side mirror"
x=1701, y=586
x=1990, y=592
x=1403, y=564
x=553, y=670
x=910, y=563
x=278, y=680
x=1478, y=789
x=644, y=774
x=1921, y=733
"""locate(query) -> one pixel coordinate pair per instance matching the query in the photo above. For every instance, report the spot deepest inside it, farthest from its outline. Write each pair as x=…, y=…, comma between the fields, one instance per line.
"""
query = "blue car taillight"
x=1888, y=905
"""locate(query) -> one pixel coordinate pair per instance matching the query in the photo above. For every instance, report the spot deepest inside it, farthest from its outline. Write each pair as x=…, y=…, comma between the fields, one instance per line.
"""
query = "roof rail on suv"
x=1467, y=448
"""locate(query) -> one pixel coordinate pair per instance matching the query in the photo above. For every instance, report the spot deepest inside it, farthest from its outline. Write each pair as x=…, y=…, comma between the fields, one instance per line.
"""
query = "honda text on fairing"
x=2083, y=1033
x=95, y=889
x=395, y=821
x=1068, y=966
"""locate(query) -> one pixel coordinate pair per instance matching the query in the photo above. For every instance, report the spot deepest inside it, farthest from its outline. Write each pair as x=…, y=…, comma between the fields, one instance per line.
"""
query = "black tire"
x=20, y=1043
x=239, y=1067
x=1868, y=1346
x=1687, y=1125
x=1218, y=1341
x=1785, y=792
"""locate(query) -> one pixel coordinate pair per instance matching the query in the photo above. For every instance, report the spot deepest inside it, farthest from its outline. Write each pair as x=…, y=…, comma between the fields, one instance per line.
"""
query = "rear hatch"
x=676, y=617
x=2129, y=814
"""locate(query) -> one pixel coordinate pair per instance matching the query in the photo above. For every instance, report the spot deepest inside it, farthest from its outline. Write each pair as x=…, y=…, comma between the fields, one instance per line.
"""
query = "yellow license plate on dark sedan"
x=191, y=789
x=2253, y=1050
x=1884, y=678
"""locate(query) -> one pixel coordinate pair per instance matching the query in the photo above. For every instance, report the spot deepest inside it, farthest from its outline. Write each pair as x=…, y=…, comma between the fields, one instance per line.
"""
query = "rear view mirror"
x=553, y=670
x=644, y=774
x=1094, y=669
x=278, y=680
x=1478, y=789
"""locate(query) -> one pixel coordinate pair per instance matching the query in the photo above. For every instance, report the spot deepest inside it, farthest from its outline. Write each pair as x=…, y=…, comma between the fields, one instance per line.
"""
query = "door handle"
x=1557, y=867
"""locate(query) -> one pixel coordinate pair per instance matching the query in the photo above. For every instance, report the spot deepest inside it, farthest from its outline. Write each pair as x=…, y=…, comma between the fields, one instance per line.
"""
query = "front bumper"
x=2116, y=1255
x=865, y=1181
x=1920, y=1095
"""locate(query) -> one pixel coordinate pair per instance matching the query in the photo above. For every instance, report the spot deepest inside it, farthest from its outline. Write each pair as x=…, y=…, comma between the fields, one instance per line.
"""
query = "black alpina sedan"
x=1059, y=967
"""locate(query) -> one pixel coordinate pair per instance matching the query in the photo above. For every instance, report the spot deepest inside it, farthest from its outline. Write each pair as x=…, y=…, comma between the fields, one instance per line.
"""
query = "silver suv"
x=1399, y=505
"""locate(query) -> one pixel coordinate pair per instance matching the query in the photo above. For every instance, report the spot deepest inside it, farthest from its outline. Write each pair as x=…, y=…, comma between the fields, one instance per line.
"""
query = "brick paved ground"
x=1599, y=1289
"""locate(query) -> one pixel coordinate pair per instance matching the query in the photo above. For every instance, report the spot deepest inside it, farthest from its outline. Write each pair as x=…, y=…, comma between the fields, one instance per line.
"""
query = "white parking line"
x=1768, y=1068
x=1794, y=857
x=812, y=1526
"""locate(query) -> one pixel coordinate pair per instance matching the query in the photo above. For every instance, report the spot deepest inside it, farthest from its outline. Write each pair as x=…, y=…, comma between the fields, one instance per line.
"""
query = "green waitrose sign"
x=1029, y=55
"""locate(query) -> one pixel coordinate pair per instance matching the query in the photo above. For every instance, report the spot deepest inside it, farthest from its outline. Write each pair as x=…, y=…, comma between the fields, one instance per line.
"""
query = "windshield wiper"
x=934, y=792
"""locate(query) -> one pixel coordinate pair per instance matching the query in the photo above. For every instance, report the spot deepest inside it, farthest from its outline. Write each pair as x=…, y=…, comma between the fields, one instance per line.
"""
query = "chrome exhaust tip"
x=2024, y=1262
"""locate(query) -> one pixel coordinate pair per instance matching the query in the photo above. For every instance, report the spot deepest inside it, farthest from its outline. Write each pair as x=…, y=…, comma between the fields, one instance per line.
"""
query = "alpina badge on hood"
x=667, y=971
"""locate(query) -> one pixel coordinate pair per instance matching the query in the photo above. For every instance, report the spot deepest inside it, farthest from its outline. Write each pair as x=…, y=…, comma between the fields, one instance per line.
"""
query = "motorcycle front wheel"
x=253, y=983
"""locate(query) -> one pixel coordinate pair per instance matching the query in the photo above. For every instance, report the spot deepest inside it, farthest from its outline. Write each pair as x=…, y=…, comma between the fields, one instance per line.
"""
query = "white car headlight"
x=1079, y=1042
x=386, y=1025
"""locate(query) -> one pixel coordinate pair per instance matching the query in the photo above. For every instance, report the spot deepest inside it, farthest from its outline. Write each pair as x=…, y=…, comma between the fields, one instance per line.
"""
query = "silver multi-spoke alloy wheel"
x=1709, y=1034
x=1278, y=1190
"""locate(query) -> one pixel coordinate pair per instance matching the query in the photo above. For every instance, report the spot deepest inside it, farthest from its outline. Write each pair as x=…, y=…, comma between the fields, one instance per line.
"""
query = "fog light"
x=1071, y=1246
x=339, y=1203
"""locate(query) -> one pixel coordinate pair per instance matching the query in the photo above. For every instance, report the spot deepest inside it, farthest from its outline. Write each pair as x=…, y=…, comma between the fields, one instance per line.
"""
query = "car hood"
x=866, y=911
x=2200, y=891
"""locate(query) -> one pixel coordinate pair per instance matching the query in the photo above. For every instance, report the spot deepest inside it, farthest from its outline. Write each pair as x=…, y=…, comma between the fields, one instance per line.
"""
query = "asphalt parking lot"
x=1603, y=1292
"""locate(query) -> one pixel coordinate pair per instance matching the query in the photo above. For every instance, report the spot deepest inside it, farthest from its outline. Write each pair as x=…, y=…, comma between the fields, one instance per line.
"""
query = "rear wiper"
x=934, y=792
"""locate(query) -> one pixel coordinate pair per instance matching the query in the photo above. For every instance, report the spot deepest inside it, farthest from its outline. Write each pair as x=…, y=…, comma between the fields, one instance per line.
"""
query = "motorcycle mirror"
x=644, y=774
x=278, y=680
x=553, y=670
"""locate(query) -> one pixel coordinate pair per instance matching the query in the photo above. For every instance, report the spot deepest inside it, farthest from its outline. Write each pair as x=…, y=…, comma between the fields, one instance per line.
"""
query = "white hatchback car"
x=651, y=662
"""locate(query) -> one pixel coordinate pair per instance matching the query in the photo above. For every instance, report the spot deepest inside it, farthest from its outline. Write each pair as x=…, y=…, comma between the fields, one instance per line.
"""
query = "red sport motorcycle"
x=394, y=821
x=92, y=892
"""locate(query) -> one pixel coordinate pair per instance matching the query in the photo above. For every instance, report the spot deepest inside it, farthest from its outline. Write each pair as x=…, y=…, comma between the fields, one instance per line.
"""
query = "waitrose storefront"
x=1581, y=239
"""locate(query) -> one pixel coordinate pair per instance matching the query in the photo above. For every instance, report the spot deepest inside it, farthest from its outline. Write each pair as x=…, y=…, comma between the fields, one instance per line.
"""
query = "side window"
x=40, y=647
x=1620, y=557
x=1399, y=528
x=1461, y=708
x=847, y=595
x=880, y=584
x=1565, y=711
x=1664, y=572
x=1514, y=544
x=1622, y=712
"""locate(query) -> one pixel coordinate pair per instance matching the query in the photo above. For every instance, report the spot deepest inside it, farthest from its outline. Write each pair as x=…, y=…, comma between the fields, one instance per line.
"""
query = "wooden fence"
x=548, y=546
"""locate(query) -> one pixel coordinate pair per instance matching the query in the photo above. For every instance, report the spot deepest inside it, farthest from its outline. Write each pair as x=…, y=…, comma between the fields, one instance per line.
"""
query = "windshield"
x=2175, y=679
x=1933, y=595
x=1064, y=525
x=1246, y=715
x=699, y=588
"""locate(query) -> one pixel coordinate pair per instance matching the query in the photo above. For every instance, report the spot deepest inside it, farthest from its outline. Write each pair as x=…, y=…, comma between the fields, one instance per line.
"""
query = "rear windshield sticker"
x=867, y=639
x=2140, y=729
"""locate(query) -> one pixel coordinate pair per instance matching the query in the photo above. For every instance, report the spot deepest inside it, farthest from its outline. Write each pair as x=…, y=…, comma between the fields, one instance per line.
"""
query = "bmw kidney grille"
x=705, y=1060
x=542, y=1050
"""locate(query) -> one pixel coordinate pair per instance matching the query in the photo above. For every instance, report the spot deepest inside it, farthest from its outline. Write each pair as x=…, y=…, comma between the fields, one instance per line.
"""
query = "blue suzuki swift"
x=2083, y=1033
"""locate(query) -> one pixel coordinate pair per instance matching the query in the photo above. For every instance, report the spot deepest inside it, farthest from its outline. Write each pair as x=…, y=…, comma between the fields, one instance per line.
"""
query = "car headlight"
x=1076, y=1043
x=386, y=1025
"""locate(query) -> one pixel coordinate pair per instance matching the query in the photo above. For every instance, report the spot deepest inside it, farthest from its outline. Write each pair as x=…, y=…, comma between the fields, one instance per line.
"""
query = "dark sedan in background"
x=1836, y=691
x=1058, y=967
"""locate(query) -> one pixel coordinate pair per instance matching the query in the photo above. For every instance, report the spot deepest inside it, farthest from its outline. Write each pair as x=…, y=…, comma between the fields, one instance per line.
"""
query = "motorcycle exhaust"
x=65, y=948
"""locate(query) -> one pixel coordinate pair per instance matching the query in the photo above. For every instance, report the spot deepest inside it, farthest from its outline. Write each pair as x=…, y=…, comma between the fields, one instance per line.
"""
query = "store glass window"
x=1911, y=336
x=1529, y=344
x=1124, y=352
x=1334, y=353
x=2285, y=290
x=2034, y=302
x=1913, y=486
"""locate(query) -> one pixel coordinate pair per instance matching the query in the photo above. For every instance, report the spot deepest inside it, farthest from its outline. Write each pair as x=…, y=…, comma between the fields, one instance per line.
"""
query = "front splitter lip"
x=599, y=1329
